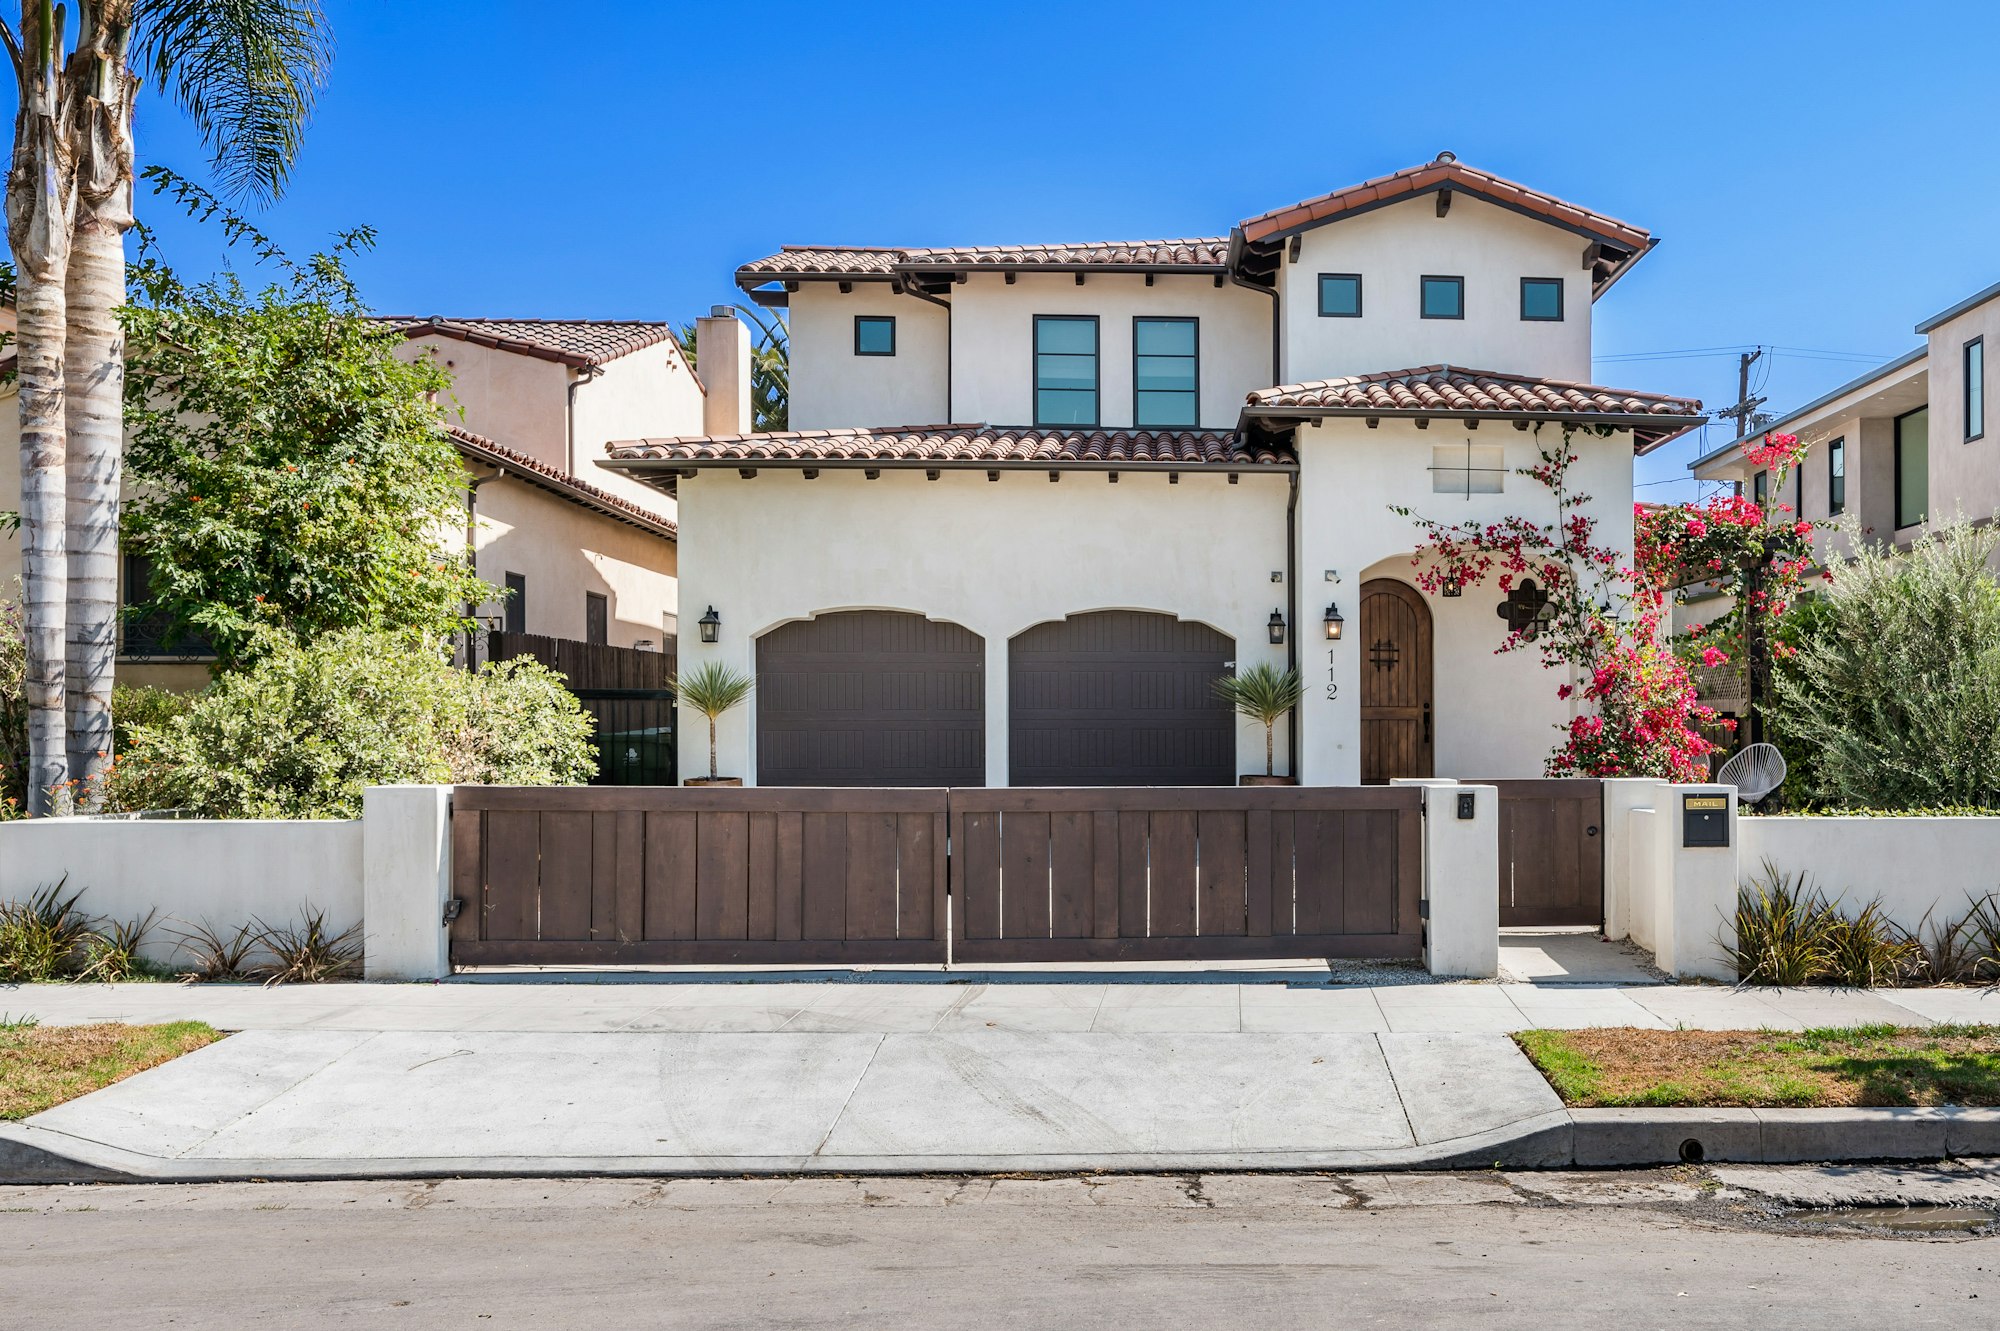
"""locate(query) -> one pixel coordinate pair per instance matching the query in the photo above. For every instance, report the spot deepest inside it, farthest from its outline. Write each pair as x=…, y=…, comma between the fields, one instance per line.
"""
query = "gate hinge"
x=452, y=909
x=1423, y=910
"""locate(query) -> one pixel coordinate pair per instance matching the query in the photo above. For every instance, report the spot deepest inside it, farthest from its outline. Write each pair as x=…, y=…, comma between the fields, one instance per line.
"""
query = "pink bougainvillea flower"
x=1713, y=657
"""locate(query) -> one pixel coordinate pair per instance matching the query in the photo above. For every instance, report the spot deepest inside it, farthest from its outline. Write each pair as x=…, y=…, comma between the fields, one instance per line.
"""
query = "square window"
x=1444, y=298
x=1340, y=295
x=1468, y=469
x=874, y=335
x=1542, y=299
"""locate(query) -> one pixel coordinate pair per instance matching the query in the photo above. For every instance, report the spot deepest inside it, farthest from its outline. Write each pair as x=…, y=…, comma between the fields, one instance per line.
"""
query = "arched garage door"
x=871, y=698
x=1119, y=698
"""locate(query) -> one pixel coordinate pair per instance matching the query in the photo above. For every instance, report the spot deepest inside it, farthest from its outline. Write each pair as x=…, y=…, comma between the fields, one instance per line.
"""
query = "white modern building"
x=1038, y=498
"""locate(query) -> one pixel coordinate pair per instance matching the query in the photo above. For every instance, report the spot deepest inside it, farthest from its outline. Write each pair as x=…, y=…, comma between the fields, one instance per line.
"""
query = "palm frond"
x=247, y=72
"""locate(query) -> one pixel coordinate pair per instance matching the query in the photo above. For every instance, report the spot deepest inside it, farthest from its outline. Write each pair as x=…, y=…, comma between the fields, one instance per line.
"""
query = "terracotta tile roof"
x=1434, y=175
x=1203, y=253
x=962, y=446
x=577, y=342
x=478, y=448
x=1445, y=390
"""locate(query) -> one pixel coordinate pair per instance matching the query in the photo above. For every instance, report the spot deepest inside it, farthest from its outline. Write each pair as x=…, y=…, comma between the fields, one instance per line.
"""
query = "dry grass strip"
x=1863, y=1065
x=42, y=1066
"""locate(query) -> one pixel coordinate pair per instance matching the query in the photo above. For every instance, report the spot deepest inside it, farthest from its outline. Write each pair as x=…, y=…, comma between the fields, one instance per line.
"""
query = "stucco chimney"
x=722, y=350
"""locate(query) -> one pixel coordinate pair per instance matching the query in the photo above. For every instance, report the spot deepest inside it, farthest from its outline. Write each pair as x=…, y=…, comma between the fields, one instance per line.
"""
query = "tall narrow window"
x=1443, y=298
x=514, y=615
x=1340, y=295
x=1760, y=488
x=1836, y=478
x=1913, y=467
x=596, y=618
x=1975, y=388
x=1166, y=375
x=874, y=335
x=1542, y=299
x=1065, y=369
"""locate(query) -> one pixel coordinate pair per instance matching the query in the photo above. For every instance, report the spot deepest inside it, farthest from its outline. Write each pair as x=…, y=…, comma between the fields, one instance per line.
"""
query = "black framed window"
x=1913, y=467
x=874, y=335
x=1974, y=363
x=1166, y=372
x=1760, y=488
x=1340, y=295
x=1836, y=478
x=514, y=614
x=596, y=618
x=1443, y=297
x=1542, y=299
x=1065, y=369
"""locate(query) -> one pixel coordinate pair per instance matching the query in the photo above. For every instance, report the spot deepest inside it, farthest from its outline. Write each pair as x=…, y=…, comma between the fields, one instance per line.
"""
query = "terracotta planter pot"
x=713, y=781
x=1266, y=781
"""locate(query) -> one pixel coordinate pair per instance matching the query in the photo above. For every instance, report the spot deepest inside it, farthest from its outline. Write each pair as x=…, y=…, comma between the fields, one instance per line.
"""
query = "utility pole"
x=1745, y=410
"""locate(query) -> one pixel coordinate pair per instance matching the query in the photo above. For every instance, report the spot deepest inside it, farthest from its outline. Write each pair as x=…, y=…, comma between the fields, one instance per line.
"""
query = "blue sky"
x=1821, y=175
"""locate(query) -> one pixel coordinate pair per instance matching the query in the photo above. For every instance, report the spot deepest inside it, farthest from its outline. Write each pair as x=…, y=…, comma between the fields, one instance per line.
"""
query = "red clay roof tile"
x=961, y=445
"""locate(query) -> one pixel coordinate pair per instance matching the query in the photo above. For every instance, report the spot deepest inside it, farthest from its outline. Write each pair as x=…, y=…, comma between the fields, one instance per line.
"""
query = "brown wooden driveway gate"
x=596, y=875
x=1106, y=874
x=1551, y=852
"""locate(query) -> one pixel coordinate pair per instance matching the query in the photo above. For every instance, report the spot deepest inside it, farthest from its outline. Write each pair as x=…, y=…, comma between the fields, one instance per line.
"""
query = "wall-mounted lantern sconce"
x=1452, y=589
x=1277, y=627
x=1526, y=609
x=711, y=626
x=1334, y=622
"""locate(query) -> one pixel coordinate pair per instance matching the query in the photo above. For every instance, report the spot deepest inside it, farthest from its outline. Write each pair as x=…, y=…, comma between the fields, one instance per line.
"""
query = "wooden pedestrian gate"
x=668, y=875
x=1551, y=852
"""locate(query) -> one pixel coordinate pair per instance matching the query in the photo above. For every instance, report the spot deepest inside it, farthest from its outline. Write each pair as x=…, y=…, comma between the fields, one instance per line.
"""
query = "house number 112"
x=1332, y=689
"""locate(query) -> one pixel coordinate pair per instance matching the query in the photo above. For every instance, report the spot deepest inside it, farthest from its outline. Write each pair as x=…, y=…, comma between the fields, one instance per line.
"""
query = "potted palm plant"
x=1263, y=693
x=713, y=690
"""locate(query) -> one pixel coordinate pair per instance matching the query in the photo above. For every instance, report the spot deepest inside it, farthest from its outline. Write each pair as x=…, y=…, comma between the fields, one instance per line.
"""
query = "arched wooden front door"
x=1395, y=681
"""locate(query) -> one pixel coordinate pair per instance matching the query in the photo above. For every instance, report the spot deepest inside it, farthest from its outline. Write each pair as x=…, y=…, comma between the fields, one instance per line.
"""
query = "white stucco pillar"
x=1623, y=795
x=1461, y=878
x=406, y=881
x=1698, y=910
x=997, y=695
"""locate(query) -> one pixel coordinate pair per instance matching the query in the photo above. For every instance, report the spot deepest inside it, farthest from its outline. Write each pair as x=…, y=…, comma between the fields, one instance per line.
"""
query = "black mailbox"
x=1705, y=820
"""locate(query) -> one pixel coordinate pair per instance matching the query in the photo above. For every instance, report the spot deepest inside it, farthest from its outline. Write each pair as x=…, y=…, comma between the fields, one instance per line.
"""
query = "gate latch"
x=452, y=908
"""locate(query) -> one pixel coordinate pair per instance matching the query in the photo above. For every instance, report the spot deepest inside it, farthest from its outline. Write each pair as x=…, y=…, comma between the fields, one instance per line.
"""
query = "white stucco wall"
x=1392, y=248
x=1916, y=866
x=519, y=401
x=649, y=393
x=832, y=387
x=993, y=339
x=1495, y=715
x=222, y=872
x=996, y=557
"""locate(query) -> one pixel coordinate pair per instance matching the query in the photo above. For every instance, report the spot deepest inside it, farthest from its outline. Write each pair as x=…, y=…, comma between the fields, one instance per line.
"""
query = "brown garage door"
x=871, y=698
x=1119, y=698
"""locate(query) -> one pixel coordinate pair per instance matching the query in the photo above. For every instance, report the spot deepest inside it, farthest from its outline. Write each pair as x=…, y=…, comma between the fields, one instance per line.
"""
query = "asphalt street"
x=1662, y=1249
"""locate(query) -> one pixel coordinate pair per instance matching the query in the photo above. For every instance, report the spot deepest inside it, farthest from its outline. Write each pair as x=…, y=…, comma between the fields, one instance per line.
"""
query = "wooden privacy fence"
x=665, y=875
x=593, y=875
x=1159, y=874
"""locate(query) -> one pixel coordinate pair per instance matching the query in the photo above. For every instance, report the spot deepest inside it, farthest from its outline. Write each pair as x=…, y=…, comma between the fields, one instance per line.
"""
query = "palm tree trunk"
x=711, y=748
x=41, y=210
x=1269, y=769
x=95, y=382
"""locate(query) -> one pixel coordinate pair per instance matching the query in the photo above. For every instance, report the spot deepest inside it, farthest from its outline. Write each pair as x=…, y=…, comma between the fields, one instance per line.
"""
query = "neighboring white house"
x=1182, y=460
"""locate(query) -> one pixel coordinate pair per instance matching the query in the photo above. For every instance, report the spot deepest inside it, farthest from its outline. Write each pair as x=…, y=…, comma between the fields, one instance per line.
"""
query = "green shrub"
x=300, y=731
x=144, y=705
x=1891, y=696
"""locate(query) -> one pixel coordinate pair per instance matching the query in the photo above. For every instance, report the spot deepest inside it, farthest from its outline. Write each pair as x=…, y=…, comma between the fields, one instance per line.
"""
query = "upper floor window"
x=596, y=618
x=1760, y=488
x=1444, y=298
x=1913, y=467
x=1468, y=469
x=1340, y=295
x=1542, y=299
x=1836, y=478
x=874, y=335
x=1975, y=388
x=1065, y=369
x=514, y=610
x=1166, y=375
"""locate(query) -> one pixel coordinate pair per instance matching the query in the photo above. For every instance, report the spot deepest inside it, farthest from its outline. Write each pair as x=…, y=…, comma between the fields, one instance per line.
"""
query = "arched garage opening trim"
x=1119, y=698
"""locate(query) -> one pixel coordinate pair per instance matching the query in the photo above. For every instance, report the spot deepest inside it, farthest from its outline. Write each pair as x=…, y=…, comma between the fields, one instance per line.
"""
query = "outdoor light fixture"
x=1277, y=626
x=711, y=626
x=1333, y=621
x=1452, y=589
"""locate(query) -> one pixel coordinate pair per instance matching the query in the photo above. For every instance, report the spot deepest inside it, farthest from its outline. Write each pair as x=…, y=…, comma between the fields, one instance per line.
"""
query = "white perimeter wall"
x=1496, y=716
x=1392, y=248
x=832, y=387
x=1916, y=866
x=224, y=873
x=996, y=557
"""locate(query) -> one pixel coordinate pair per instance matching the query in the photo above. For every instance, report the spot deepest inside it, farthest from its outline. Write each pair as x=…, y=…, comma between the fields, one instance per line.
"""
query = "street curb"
x=1562, y=1139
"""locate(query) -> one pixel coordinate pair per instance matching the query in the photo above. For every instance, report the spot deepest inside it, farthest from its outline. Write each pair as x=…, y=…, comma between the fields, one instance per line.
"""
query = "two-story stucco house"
x=1040, y=497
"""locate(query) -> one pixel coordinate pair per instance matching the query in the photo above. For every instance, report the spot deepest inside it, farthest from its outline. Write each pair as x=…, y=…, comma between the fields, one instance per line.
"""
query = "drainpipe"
x=912, y=289
x=584, y=374
x=1298, y=606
